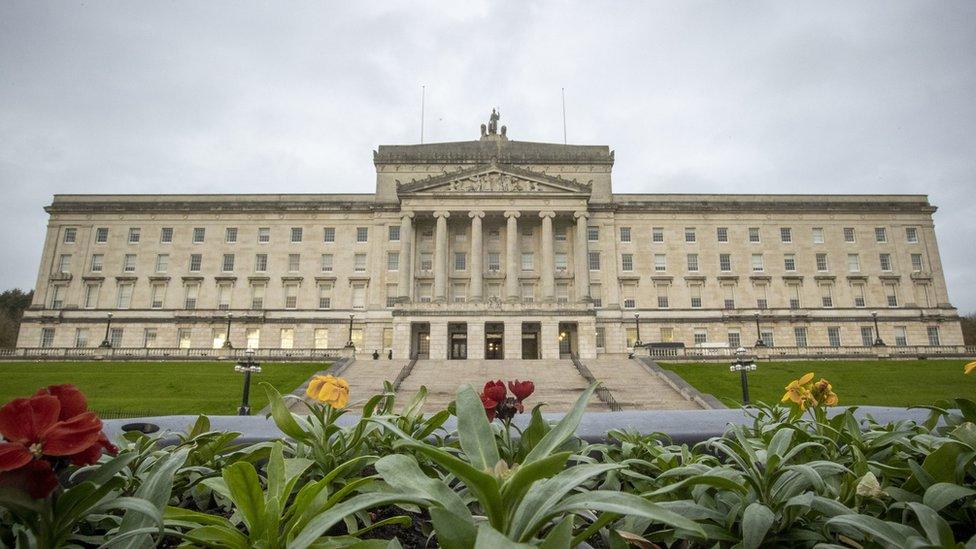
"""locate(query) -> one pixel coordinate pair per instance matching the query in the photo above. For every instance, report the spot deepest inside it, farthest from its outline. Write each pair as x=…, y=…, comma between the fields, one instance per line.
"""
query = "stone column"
x=406, y=257
x=475, y=292
x=546, y=265
x=511, y=260
x=549, y=339
x=440, y=257
x=581, y=253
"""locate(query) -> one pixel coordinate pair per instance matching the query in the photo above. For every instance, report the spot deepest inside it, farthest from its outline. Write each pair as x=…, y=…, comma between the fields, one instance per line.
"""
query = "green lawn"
x=160, y=388
x=874, y=382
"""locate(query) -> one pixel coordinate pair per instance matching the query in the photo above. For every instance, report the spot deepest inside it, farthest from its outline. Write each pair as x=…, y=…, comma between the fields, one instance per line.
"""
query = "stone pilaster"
x=549, y=339
x=582, y=260
x=440, y=258
x=405, y=283
x=512, y=266
x=476, y=292
x=513, y=339
x=476, y=340
x=438, y=340
x=547, y=282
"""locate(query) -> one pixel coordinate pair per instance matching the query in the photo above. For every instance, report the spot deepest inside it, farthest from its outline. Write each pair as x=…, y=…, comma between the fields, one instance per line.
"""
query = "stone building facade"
x=489, y=249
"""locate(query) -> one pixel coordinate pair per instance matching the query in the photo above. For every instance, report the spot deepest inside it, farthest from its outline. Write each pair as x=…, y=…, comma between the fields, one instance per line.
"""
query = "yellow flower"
x=969, y=368
x=799, y=393
x=823, y=393
x=330, y=390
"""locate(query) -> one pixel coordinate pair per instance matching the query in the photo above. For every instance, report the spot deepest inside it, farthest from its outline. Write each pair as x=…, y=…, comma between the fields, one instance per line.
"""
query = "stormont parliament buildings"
x=491, y=248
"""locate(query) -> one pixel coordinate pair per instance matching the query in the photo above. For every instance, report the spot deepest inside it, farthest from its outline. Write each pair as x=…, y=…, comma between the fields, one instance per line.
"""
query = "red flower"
x=521, y=389
x=489, y=405
x=36, y=478
x=495, y=390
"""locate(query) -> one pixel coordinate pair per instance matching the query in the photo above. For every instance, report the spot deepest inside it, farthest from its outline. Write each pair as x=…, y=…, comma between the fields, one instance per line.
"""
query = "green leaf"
x=715, y=481
x=275, y=471
x=282, y=416
x=474, y=432
x=624, y=504
x=326, y=520
x=489, y=538
x=756, y=521
x=518, y=484
x=155, y=491
x=245, y=491
x=936, y=528
x=178, y=514
x=941, y=464
x=106, y=471
x=534, y=431
x=563, y=430
x=200, y=426
x=453, y=532
x=889, y=532
x=560, y=536
x=218, y=536
x=403, y=473
x=941, y=494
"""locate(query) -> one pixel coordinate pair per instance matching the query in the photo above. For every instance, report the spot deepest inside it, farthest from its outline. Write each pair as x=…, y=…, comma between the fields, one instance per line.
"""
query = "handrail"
x=404, y=373
x=602, y=392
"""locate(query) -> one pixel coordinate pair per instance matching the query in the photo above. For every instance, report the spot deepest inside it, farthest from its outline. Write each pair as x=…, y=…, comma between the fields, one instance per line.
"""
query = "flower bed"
x=793, y=475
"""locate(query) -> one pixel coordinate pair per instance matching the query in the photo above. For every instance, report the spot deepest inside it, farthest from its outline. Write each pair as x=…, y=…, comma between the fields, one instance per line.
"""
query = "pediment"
x=494, y=179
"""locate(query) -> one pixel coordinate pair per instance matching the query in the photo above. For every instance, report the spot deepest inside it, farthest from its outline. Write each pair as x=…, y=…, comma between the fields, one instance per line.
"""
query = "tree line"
x=12, y=305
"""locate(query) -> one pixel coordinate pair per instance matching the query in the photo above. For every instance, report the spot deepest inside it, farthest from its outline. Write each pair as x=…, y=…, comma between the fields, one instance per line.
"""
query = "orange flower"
x=330, y=390
x=969, y=368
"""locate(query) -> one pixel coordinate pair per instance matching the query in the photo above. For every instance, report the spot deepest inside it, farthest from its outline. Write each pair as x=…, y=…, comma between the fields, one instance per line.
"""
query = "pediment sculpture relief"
x=494, y=182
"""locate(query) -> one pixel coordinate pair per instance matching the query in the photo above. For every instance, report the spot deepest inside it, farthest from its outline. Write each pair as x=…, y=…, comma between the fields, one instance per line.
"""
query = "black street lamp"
x=247, y=367
x=878, y=342
x=759, y=339
x=106, y=344
x=227, y=344
x=637, y=324
x=350, y=343
x=743, y=365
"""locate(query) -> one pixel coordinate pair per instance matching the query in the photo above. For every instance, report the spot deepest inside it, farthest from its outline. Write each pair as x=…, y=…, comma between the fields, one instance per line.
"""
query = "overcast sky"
x=849, y=97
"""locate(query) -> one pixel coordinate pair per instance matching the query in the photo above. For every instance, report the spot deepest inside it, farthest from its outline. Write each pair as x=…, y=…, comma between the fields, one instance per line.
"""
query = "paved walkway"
x=635, y=387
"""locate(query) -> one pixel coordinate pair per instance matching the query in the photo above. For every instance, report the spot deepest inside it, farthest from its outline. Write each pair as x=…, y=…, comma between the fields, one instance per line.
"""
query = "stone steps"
x=634, y=387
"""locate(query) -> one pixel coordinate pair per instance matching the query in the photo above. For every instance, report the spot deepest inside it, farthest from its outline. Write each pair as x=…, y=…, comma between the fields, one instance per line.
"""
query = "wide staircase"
x=635, y=387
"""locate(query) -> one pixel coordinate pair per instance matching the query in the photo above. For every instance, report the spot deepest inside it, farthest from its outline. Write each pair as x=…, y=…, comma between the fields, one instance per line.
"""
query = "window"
x=96, y=263
x=191, y=293
x=47, y=337
x=667, y=334
x=630, y=336
x=722, y=234
x=57, y=296
x=785, y=235
x=693, y=263
x=162, y=263
x=294, y=263
x=64, y=263
x=660, y=262
x=494, y=290
x=757, y=263
x=223, y=296
x=261, y=263
x=198, y=234
x=321, y=338
x=196, y=262
x=393, y=233
x=690, y=235
x=833, y=336
x=287, y=338
x=762, y=296
x=853, y=263
x=228, y=263
x=101, y=235
x=662, y=296
x=359, y=296
x=291, y=295
x=424, y=291
x=562, y=293
x=885, y=261
x=800, y=334
x=460, y=261
x=625, y=234
x=327, y=263
x=257, y=296
x=527, y=263
x=822, y=262
x=359, y=263
x=230, y=235
x=296, y=234
x=428, y=234
x=264, y=235
x=826, y=296
x=933, y=333
x=393, y=261
x=362, y=234
x=124, y=297
x=627, y=262
x=701, y=336
x=115, y=337
x=880, y=235
x=858, y=291
x=134, y=234
x=559, y=234
x=459, y=292
x=849, y=235
x=494, y=262
x=596, y=295
x=901, y=336
x=657, y=235
x=891, y=295
x=91, y=296
x=493, y=235
x=325, y=295
x=561, y=261
x=754, y=234
x=725, y=262
x=867, y=336
x=696, y=300
x=818, y=235
x=183, y=337
x=391, y=295
x=217, y=337
x=601, y=337
x=593, y=258
x=630, y=296
x=70, y=235
x=165, y=235
x=149, y=338
x=593, y=233
x=426, y=261
x=129, y=263
x=767, y=338
x=911, y=235
x=527, y=232
x=729, y=297
x=81, y=337
x=794, y=292
x=917, y=262
x=157, y=295
x=735, y=339
x=789, y=262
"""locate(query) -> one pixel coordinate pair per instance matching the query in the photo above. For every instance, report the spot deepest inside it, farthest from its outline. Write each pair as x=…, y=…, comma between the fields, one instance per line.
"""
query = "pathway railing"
x=602, y=392
x=404, y=374
x=859, y=352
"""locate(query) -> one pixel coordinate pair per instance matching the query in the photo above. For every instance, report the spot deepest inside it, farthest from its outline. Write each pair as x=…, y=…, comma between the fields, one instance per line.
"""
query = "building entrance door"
x=494, y=341
x=458, y=341
x=419, y=340
x=568, y=344
x=530, y=340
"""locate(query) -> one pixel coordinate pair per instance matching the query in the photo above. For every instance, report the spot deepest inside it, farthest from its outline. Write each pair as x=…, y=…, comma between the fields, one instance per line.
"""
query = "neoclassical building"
x=491, y=248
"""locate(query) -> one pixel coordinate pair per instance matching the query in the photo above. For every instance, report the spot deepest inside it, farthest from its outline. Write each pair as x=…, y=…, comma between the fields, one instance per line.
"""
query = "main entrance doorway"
x=457, y=337
x=530, y=340
x=494, y=340
x=419, y=340
x=568, y=344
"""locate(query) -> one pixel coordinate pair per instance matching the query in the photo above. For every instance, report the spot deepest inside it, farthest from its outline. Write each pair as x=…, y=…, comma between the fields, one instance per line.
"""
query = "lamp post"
x=743, y=365
x=759, y=339
x=106, y=344
x=637, y=324
x=227, y=344
x=878, y=342
x=247, y=367
x=349, y=343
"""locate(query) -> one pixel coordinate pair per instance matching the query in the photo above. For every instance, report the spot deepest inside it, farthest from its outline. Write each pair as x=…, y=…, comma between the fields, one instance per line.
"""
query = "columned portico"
x=511, y=258
x=548, y=284
x=476, y=293
x=440, y=257
x=405, y=282
x=581, y=254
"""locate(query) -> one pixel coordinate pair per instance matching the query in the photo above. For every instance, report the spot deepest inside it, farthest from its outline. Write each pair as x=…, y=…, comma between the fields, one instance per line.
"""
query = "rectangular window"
x=162, y=263
x=287, y=338
x=561, y=262
x=849, y=236
x=223, y=296
x=321, y=338
x=630, y=335
x=391, y=295
x=70, y=235
x=359, y=296
x=81, y=337
x=833, y=336
x=858, y=291
x=96, y=263
x=701, y=336
x=593, y=259
x=198, y=234
x=257, y=296
x=494, y=262
x=822, y=262
x=64, y=263
x=494, y=290
x=818, y=235
x=393, y=233
x=695, y=291
x=794, y=292
x=601, y=337
x=217, y=337
x=327, y=263
x=393, y=261
x=328, y=234
x=627, y=262
x=115, y=337
x=629, y=292
x=596, y=295
x=662, y=296
x=129, y=263
x=296, y=234
x=91, y=296
x=460, y=261
x=264, y=235
x=134, y=235
x=101, y=235
x=294, y=262
x=754, y=234
x=735, y=339
x=885, y=261
x=593, y=233
x=149, y=338
x=157, y=296
x=625, y=234
x=424, y=291
x=57, y=296
x=667, y=334
x=291, y=296
x=800, y=334
x=729, y=293
x=660, y=262
x=901, y=336
x=196, y=262
x=227, y=265
x=230, y=235
x=426, y=261
x=692, y=263
x=47, y=337
x=725, y=262
x=785, y=235
x=917, y=263
x=124, y=298
x=789, y=262
x=527, y=261
x=880, y=235
x=528, y=293
x=183, y=337
x=690, y=235
x=767, y=338
x=459, y=292
x=166, y=235
x=559, y=234
x=853, y=263
x=253, y=337
x=762, y=296
x=494, y=235
x=325, y=295
x=826, y=296
x=757, y=263
x=867, y=336
x=933, y=333
x=657, y=235
x=359, y=263
x=722, y=234
x=191, y=293
x=911, y=235
x=562, y=293
x=261, y=263
x=362, y=234
x=891, y=295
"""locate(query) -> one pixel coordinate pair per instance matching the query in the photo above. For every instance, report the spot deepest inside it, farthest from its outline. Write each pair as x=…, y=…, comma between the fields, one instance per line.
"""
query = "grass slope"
x=870, y=382
x=162, y=388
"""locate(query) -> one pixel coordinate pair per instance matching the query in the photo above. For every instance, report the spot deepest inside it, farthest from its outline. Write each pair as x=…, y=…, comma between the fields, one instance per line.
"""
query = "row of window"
x=757, y=262
x=198, y=234
x=754, y=234
x=800, y=336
